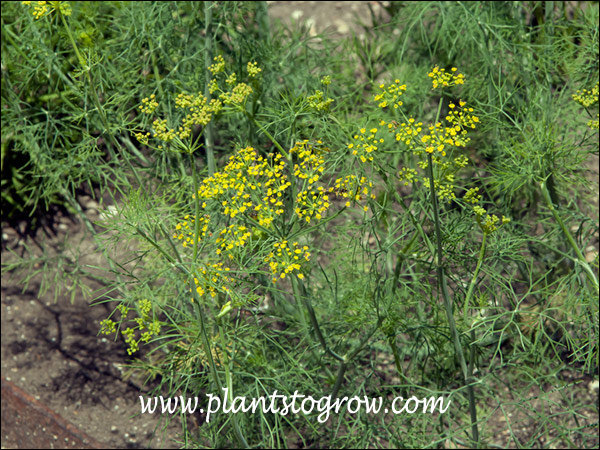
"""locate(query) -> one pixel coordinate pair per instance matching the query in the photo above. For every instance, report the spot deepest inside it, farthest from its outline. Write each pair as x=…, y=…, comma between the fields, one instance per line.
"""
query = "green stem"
x=229, y=381
x=196, y=206
x=580, y=258
x=392, y=342
x=208, y=56
x=269, y=136
x=339, y=379
x=155, y=69
x=300, y=312
x=446, y=297
x=475, y=274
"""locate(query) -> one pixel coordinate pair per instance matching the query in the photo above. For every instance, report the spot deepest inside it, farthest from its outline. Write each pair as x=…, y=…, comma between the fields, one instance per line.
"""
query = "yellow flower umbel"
x=312, y=201
x=253, y=69
x=41, y=9
x=237, y=92
x=318, y=102
x=406, y=132
x=212, y=279
x=439, y=140
x=249, y=186
x=144, y=321
x=237, y=95
x=488, y=223
x=198, y=111
x=587, y=98
x=149, y=104
x=185, y=231
x=353, y=189
x=441, y=78
x=284, y=259
x=390, y=95
x=218, y=66
x=364, y=144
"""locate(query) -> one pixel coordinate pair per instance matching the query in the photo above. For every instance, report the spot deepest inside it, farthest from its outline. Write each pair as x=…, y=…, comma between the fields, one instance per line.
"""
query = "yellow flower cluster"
x=185, y=231
x=587, y=98
x=441, y=78
x=389, y=95
x=143, y=138
x=237, y=92
x=283, y=260
x=352, y=188
x=462, y=118
x=162, y=131
x=311, y=161
x=437, y=140
x=212, y=279
x=237, y=95
x=249, y=184
x=231, y=237
x=213, y=86
x=365, y=143
x=250, y=192
x=253, y=69
x=406, y=132
x=318, y=102
x=41, y=9
x=309, y=166
x=144, y=322
x=218, y=66
x=440, y=137
x=231, y=79
x=489, y=223
x=312, y=203
x=455, y=135
x=407, y=175
x=472, y=195
x=199, y=112
x=149, y=104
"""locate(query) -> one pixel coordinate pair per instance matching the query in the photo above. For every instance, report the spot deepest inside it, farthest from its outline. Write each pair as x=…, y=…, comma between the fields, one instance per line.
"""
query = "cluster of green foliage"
x=300, y=222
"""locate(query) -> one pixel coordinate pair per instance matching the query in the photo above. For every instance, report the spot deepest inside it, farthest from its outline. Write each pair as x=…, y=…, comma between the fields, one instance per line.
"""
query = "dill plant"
x=428, y=279
x=526, y=62
x=247, y=235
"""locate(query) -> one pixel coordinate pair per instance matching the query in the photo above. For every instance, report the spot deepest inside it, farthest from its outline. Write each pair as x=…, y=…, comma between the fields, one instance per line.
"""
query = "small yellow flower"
x=253, y=69
x=41, y=9
x=218, y=66
x=441, y=78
